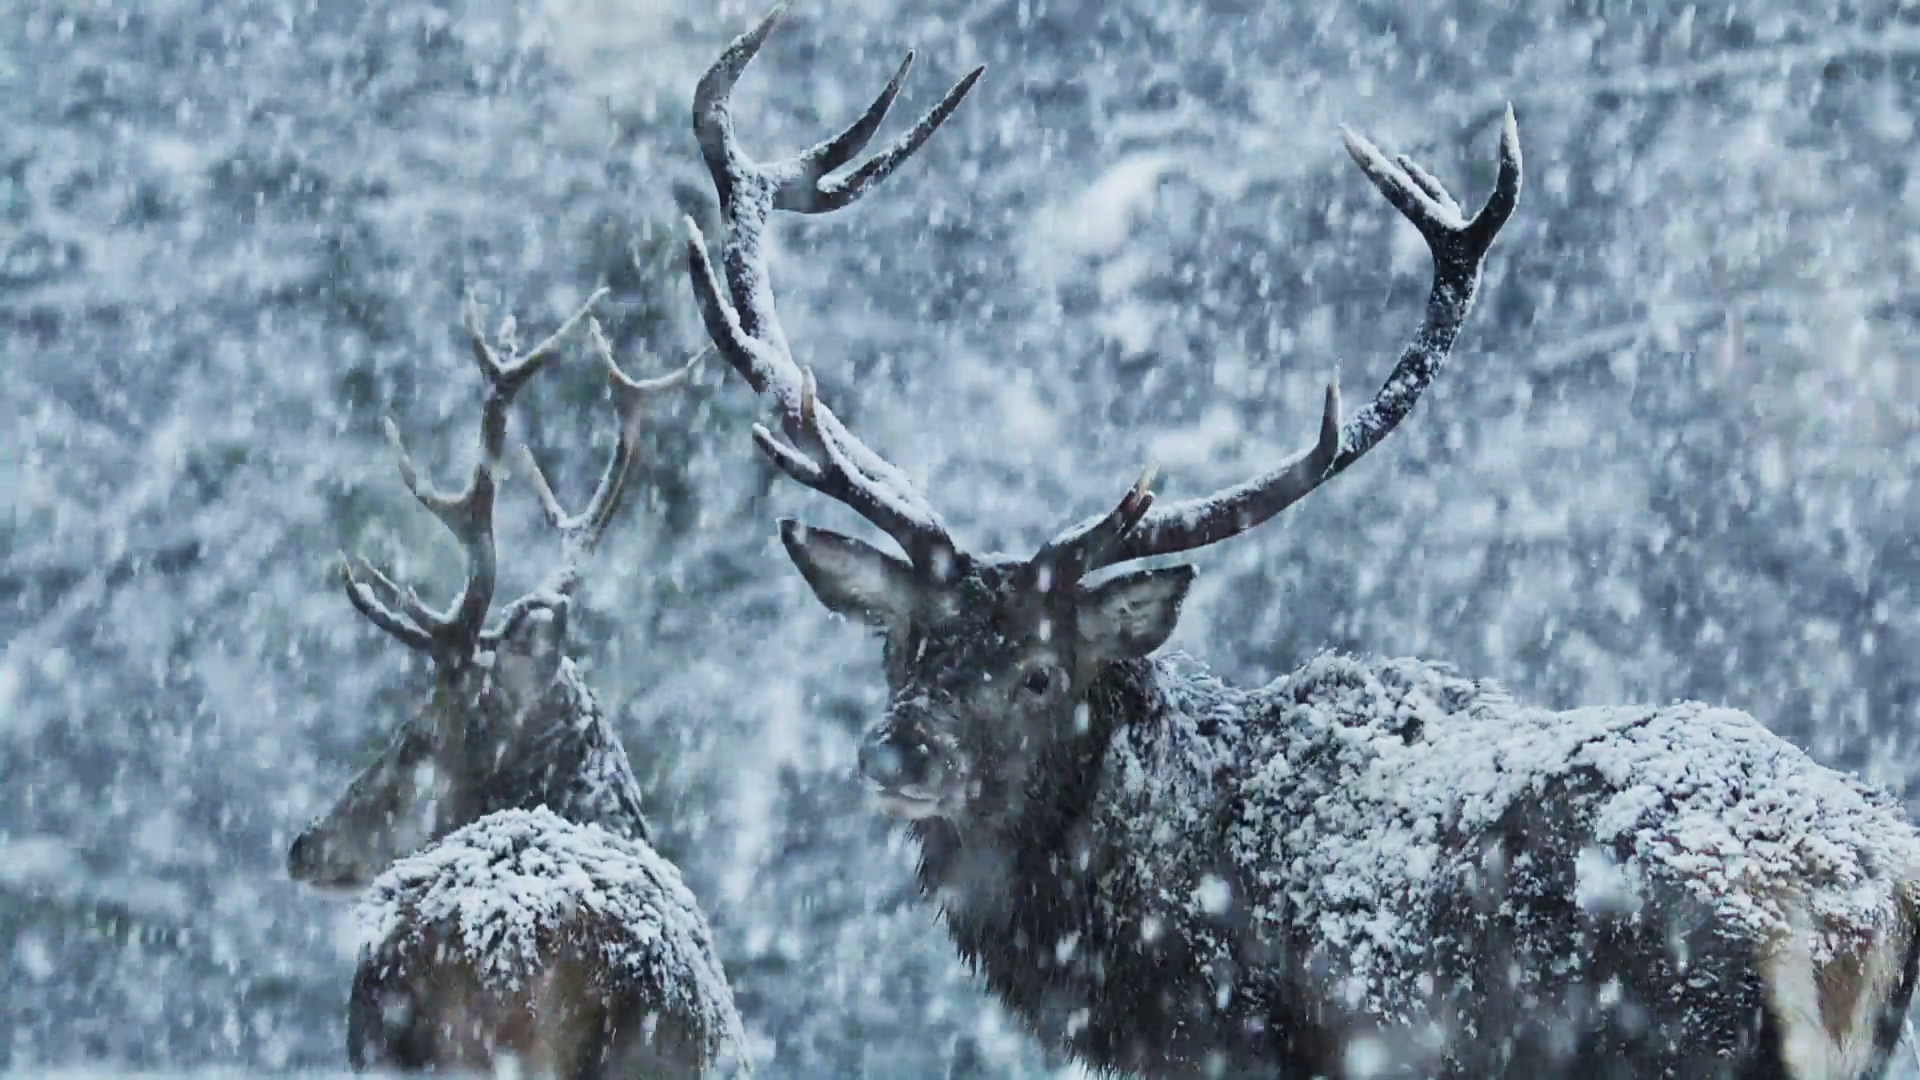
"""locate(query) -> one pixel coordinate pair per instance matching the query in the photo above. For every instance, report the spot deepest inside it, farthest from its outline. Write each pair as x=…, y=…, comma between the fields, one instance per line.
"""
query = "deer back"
x=570, y=947
x=1438, y=854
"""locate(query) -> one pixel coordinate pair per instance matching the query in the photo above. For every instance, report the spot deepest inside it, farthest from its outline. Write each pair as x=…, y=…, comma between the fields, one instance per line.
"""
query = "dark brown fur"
x=420, y=1004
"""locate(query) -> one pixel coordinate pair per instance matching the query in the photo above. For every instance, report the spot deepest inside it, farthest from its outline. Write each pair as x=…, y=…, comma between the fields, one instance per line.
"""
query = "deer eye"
x=1037, y=681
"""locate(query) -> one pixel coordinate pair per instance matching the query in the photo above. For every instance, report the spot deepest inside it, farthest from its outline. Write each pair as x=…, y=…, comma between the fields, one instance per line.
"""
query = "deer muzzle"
x=313, y=861
x=916, y=771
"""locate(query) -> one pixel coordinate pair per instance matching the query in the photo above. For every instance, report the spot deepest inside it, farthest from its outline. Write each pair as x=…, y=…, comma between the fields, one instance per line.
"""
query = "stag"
x=514, y=905
x=1366, y=868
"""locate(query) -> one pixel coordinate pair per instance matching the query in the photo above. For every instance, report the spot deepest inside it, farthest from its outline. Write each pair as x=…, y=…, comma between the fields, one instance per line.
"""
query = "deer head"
x=504, y=704
x=990, y=658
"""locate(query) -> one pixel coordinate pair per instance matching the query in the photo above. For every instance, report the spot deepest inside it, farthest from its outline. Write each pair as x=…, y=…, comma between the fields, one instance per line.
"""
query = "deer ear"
x=1133, y=614
x=528, y=657
x=851, y=577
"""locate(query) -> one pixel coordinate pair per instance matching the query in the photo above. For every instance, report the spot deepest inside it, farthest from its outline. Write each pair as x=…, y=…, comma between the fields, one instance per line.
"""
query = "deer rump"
x=1380, y=869
x=578, y=952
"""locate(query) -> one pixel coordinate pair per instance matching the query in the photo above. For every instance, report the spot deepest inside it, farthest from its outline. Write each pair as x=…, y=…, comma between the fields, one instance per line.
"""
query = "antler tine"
x=842, y=468
x=1459, y=247
x=742, y=320
x=1069, y=556
x=376, y=596
x=451, y=635
x=580, y=533
x=799, y=183
x=805, y=190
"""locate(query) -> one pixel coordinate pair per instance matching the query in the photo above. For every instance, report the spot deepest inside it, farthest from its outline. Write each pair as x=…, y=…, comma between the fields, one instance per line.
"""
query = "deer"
x=1369, y=866
x=513, y=906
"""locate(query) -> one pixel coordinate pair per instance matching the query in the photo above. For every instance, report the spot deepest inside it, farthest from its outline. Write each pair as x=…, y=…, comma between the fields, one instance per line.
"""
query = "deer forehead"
x=995, y=613
x=979, y=644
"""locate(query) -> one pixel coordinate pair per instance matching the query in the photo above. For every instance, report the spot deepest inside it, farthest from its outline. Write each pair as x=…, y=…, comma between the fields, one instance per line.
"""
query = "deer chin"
x=332, y=881
x=912, y=804
x=335, y=889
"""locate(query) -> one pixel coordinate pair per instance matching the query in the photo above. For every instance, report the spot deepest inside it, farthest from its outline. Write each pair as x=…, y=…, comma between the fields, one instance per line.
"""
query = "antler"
x=1459, y=247
x=580, y=533
x=743, y=323
x=451, y=636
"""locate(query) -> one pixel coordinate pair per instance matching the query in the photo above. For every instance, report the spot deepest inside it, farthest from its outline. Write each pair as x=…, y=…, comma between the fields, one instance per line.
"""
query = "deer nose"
x=896, y=760
x=302, y=855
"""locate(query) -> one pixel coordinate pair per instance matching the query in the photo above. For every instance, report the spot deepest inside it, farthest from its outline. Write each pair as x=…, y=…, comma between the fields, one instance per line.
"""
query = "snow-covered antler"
x=451, y=636
x=1136, y=530
x=743, y=323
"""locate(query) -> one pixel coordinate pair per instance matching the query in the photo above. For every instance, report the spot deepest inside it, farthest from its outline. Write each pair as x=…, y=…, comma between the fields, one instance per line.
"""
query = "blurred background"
x=1674, y=455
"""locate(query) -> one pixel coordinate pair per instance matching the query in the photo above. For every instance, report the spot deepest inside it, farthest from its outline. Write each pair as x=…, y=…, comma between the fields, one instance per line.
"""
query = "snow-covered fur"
x=579, y=951
x=1379, y=868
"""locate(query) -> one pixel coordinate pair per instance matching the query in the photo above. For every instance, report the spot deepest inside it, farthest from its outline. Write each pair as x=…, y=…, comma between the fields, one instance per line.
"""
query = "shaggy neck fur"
x=1050, y=905
x=563, y=755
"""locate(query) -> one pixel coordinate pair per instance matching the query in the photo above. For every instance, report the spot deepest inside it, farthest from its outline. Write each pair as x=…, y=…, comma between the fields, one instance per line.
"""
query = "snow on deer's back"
x=1422, y=836
x=531, y=930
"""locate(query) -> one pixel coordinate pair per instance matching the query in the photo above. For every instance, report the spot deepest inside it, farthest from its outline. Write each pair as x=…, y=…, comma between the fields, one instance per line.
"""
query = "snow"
x=234, y=234
x=1099, y=221
x=508, y=891
x=1367, y=773
x=1166, y=782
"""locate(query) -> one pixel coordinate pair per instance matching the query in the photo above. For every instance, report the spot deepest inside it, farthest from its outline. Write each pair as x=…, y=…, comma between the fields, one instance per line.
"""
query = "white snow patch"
x=1101, y=219
x=31, y=955
x=1601, y=885
x=1405, y=755
x=1367, y=1057
x=507, y=888
x=1213, y=894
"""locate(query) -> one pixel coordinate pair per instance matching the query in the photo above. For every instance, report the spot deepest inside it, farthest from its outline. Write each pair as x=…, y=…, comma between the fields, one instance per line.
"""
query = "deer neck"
x=1027, y=872
x=1066, y=911
x=558, y=752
